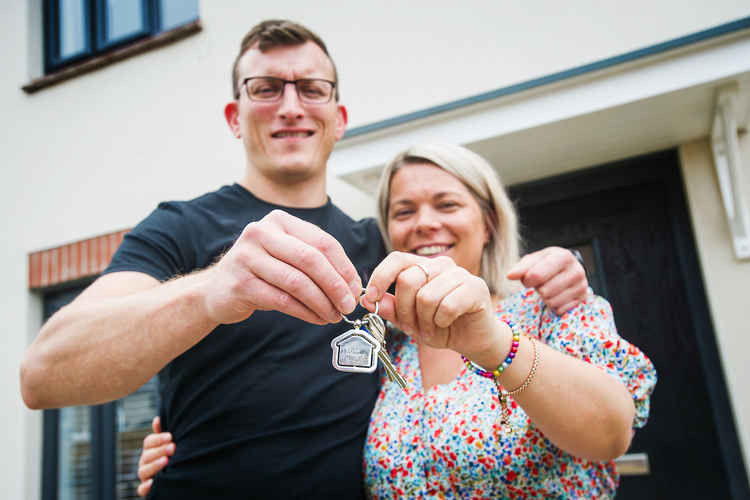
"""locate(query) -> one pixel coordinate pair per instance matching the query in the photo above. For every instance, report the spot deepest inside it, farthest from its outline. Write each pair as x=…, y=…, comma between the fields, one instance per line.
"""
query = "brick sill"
x=89, y=65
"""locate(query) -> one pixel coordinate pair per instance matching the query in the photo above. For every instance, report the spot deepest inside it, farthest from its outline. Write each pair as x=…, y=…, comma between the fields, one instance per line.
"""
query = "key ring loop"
x=358, y=322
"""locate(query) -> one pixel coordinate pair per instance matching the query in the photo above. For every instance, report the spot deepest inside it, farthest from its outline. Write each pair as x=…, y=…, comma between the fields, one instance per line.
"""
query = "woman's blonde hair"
x=499, y=214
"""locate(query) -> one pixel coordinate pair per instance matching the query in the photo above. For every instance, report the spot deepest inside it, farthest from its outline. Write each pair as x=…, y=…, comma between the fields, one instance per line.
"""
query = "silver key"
x=376, y=326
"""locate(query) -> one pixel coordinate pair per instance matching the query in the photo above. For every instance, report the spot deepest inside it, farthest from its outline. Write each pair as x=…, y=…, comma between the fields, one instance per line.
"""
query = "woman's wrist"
x=498, y=349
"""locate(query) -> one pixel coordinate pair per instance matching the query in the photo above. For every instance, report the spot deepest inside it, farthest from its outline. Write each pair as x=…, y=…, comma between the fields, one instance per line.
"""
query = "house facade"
x=621, y=129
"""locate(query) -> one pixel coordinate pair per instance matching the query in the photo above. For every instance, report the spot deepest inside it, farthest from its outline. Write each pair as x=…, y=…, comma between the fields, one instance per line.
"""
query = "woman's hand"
x=438, y=303
x=157, y=447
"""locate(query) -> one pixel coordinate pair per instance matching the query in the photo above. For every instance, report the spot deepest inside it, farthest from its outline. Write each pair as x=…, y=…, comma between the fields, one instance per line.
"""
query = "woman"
x=558, y=396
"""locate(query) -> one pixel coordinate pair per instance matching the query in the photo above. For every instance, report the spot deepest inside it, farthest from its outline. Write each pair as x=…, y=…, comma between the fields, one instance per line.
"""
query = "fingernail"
x=356, y=287
x=372, y=293
x=348, y=304
x=170, y=447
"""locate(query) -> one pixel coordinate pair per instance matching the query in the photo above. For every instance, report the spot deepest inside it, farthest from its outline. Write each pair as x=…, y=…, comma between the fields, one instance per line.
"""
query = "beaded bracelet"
x=502, y=393
x=506, y=362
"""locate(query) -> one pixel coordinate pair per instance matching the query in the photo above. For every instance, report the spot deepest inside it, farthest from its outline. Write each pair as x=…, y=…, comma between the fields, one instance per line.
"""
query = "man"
x=237, y=318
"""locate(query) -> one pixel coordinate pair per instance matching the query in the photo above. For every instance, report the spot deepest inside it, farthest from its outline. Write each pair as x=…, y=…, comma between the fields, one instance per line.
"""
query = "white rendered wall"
x=726, y=278
x=96, y=153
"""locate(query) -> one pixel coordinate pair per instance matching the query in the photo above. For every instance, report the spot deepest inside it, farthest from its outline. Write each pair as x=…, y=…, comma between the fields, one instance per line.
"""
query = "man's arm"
x=126, y=326
x=112, y=338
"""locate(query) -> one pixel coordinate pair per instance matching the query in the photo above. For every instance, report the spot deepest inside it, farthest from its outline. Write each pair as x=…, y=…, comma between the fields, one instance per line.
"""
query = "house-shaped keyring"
x=355, y=351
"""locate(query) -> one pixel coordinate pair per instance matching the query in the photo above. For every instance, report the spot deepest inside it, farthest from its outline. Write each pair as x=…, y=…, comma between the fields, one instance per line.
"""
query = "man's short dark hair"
x=273, y=33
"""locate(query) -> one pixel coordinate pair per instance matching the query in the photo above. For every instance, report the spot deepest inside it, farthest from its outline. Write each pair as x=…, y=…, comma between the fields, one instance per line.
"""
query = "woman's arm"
x=580, y=407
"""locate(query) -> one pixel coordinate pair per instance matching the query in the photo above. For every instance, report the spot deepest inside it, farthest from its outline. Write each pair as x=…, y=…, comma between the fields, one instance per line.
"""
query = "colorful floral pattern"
x=448, y=442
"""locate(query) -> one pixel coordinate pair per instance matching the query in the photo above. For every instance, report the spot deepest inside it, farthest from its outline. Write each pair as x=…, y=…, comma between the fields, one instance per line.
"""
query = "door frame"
x=626, y=173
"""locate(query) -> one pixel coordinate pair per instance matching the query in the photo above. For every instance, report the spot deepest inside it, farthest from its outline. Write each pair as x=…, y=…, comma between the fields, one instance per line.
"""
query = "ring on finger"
x=424, y=270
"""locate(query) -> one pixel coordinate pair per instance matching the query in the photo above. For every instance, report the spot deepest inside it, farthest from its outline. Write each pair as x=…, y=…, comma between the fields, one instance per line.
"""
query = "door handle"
x=633, y=464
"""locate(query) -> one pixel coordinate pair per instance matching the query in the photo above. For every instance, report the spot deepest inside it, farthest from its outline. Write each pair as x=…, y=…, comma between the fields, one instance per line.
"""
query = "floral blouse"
x=448, y=442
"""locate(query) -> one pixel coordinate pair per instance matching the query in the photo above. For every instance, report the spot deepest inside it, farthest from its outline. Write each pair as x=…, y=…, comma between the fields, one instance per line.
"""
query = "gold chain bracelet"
x=503, y=394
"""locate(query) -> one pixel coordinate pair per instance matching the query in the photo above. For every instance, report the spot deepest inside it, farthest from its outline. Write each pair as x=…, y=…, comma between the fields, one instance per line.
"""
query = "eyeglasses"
x=271, y=89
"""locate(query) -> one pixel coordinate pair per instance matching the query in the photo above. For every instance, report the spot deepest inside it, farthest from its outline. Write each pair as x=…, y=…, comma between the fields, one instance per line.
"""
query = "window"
x=91, y=452
x=76, y=30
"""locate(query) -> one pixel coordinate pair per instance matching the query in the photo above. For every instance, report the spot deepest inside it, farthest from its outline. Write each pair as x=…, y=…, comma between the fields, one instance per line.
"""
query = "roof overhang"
x=615, y=109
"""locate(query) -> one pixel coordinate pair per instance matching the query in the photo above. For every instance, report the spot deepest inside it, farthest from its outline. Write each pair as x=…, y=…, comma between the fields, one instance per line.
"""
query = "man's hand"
x=556, y=275
x=286, y=264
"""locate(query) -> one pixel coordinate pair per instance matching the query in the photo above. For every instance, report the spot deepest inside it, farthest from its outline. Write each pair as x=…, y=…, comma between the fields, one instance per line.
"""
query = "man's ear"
x=232, y=114
x=343, y=118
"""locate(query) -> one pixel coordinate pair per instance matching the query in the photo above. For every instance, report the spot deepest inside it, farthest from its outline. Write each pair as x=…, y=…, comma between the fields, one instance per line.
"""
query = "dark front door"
x=630, y=221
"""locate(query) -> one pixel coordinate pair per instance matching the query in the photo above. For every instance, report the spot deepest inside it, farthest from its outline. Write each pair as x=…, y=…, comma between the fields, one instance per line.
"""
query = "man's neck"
x=293, y=193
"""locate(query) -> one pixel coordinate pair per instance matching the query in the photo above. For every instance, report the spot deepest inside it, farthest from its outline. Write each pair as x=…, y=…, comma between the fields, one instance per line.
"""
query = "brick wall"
x=72, y=261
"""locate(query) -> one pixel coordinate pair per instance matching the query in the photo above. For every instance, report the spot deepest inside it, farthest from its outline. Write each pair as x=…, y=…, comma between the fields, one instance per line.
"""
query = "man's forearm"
x=98, y=349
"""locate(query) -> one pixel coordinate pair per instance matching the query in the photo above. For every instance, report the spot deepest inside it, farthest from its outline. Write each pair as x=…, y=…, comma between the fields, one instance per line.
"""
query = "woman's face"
x=431, y=213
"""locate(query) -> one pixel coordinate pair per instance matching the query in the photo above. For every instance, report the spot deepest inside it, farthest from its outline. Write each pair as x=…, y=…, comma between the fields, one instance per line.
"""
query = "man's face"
x=287, y=141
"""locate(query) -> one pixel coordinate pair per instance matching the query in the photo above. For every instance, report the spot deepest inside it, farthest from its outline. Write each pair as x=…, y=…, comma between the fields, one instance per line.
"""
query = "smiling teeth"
x=431, y=250
x=291, y=134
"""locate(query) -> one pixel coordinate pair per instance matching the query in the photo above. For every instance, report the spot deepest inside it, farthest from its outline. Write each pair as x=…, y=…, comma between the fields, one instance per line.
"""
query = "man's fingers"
x=571, y=277
x=144, y=488
x=566, y=307
x=154, y=440
x=519, y=270
x=156, y=424
x=303, y=271
x=568, y=299
x=151, y=455
x=554, y=260
x=326, y=244
x=270, y=297
x=293, y=286
x=147, y=471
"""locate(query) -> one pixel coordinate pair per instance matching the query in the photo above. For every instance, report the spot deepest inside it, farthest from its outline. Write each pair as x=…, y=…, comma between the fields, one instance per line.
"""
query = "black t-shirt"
x=256, y=409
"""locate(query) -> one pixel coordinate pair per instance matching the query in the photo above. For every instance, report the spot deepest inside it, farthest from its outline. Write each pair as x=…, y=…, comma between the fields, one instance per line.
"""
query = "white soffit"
x=647, y=105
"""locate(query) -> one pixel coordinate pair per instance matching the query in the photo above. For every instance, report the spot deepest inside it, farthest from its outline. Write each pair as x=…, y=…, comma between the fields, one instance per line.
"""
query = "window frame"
x=95, y=29
x=102, y=426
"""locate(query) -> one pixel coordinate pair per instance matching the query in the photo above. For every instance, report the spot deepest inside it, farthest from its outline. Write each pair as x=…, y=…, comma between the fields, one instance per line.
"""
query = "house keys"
x=358, y=350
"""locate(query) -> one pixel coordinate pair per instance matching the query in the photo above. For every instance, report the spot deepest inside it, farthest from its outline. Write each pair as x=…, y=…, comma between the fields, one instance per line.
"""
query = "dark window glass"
x=134, y=415
x=74, y=454
x=91, y=452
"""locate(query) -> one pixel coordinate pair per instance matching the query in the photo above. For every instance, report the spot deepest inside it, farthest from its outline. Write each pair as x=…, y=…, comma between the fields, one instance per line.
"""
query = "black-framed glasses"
x=271, y=89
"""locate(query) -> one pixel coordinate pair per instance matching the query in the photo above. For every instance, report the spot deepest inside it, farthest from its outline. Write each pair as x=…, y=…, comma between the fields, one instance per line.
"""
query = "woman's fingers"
x=431, y=299
x=408, y=284
x=426, y=308
x=395, y=263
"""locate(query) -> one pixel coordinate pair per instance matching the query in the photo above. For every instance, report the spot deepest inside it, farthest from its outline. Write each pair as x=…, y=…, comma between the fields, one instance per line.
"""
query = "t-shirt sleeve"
x=159, y=246
x=588, y=332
